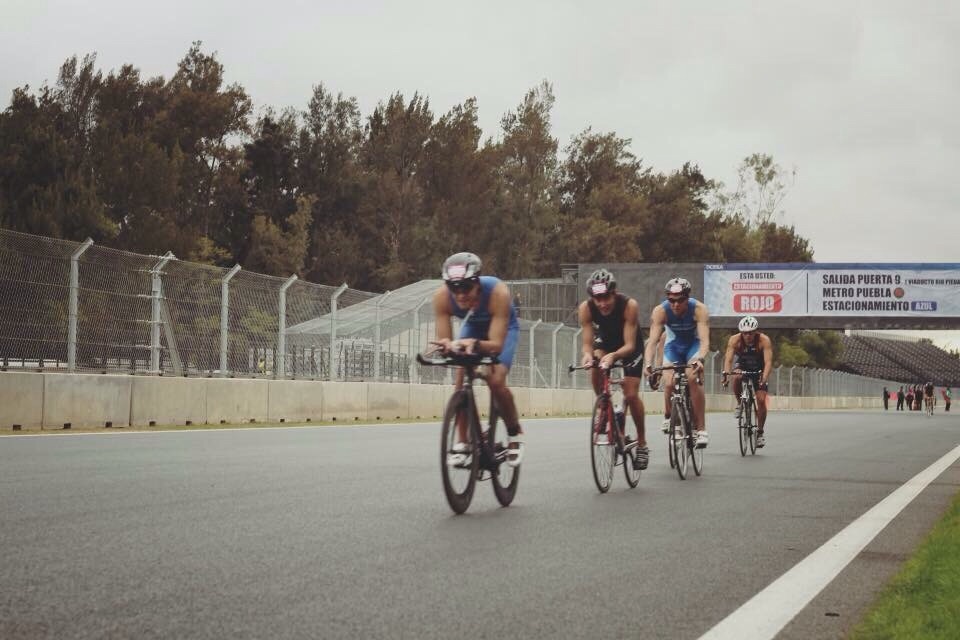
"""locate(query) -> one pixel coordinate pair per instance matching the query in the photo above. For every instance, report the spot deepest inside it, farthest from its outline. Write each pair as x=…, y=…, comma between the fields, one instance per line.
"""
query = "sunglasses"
x=603, y=297
x=679, y=300
x=461, y=286
x=748, y=333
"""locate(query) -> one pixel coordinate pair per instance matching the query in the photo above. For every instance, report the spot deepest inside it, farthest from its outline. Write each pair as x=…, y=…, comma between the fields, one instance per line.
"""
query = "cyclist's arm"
x=728, y=356
x=441, y=313
x=657, y=318
x=500, y=302
x=630, y=317
x=586, y=324
x=767, y=345
x=702, y=316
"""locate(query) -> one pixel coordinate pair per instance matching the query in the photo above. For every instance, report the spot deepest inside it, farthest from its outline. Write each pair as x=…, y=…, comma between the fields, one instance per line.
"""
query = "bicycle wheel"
x=743, y=429
x=696, y=453
x=505, y=477
x=459, y=478
x=603, y=453
x=679, y=430
x=631, y=438
x=671, y=453
x=751, y=426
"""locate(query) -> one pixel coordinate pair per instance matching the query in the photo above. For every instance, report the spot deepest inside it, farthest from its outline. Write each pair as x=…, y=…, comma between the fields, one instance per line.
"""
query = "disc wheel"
x=603, y=453
x=459, y=477
x=505, y=478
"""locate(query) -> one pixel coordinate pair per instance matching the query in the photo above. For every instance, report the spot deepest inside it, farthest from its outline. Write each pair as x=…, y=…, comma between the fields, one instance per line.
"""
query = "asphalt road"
x=343, y=532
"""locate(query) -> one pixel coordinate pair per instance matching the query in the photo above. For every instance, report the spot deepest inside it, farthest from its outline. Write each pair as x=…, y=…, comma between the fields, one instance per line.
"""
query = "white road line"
x=765, y=614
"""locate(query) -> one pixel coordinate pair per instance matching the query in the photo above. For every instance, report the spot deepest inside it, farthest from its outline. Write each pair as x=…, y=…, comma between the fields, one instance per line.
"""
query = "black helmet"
x=461, y=266
x=678, y=285
x=601, y=282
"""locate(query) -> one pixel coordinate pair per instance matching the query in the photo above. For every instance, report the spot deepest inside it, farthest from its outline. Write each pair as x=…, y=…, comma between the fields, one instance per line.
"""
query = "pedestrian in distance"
x=886, y=399
x=900, y=397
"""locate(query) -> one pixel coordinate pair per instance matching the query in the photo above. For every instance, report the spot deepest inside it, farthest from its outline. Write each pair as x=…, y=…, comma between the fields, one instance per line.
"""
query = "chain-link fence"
x=81, y=307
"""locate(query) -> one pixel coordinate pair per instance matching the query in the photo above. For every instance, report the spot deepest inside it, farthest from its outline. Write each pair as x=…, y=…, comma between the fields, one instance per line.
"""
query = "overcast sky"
x=861, y=98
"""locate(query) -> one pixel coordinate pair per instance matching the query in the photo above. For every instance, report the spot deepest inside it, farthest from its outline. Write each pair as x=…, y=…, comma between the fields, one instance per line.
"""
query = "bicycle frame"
x=681, y=444
x=616, y=434
x=489, y=452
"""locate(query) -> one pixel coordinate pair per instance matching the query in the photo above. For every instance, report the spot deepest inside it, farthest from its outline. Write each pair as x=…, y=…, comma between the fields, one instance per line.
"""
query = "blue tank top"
x=681, y=329
x=481, y=317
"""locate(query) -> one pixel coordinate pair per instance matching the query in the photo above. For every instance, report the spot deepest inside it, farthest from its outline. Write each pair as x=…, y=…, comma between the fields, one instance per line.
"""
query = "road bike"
x=682, y=437
x=928, y=406
x=747, y=422
x=612, y=443
x=487, y=446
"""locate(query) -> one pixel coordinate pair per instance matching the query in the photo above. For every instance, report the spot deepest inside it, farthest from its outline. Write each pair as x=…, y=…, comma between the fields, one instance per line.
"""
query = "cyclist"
x=928, y=395
x=753, y=352
x=490, y=327
x=609, y=322
x=686, y=322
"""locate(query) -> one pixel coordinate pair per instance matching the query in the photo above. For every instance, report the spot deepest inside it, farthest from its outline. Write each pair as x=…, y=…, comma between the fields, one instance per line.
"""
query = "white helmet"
x=677, y=285
x=748, y=323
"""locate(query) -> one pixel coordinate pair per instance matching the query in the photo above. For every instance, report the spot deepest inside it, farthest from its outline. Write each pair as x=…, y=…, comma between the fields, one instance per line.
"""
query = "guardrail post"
x=376, y=338
x=333, y=329
x=533, y=329
x=74, y=304
x=415, y=327
x=556, y=365
x=575, y=359
x=156, y=292
x=225, y=317
x=282, y=328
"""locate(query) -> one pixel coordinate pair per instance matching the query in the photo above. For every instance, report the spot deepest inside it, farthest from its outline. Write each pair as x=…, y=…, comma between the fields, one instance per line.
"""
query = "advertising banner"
x=811, y=289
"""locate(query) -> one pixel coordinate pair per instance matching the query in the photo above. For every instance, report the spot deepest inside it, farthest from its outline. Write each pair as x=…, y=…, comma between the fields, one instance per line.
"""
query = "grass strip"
x=922, y=602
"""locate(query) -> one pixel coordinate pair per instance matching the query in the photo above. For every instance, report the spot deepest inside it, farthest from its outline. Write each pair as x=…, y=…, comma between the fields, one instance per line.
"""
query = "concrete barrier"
x=167, y=401
x=48, y=400
x=428, y=401
x=236, y=400
x=294, y=400
x=21, y=396
x=345, y=401
x=86, y=400
x=388, y=401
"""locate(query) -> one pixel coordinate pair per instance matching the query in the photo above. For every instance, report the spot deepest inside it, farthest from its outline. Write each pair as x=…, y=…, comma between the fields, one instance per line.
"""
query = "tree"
x=525, y=204
x=330, y=171
x=762, y=185
x=392, y=207
x=602, y=198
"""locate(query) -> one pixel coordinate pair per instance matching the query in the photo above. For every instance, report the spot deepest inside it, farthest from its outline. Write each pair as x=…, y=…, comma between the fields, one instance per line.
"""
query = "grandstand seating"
x=899, y=360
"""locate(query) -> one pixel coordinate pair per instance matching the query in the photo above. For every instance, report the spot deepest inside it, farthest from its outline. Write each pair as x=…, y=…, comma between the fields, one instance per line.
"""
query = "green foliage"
x=181, y=164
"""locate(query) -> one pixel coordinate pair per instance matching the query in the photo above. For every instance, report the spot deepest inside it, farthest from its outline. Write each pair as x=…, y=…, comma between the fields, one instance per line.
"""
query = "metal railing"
x=80, y=307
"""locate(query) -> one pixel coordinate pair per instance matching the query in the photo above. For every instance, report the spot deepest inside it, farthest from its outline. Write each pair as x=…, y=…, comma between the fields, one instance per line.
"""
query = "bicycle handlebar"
x=457, y=360
x=616, y=365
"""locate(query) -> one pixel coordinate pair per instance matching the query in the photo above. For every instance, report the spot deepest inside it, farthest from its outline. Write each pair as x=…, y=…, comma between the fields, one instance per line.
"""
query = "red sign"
x=758, y=303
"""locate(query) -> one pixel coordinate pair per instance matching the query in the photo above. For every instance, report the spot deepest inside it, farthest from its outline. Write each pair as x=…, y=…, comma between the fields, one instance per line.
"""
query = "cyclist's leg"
x=667, y=383
x=761, y=406
x=671, y=355
x=497, y=381
x=737, y=387
x=631, y=398
x=698, y=397
x=596, y=377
